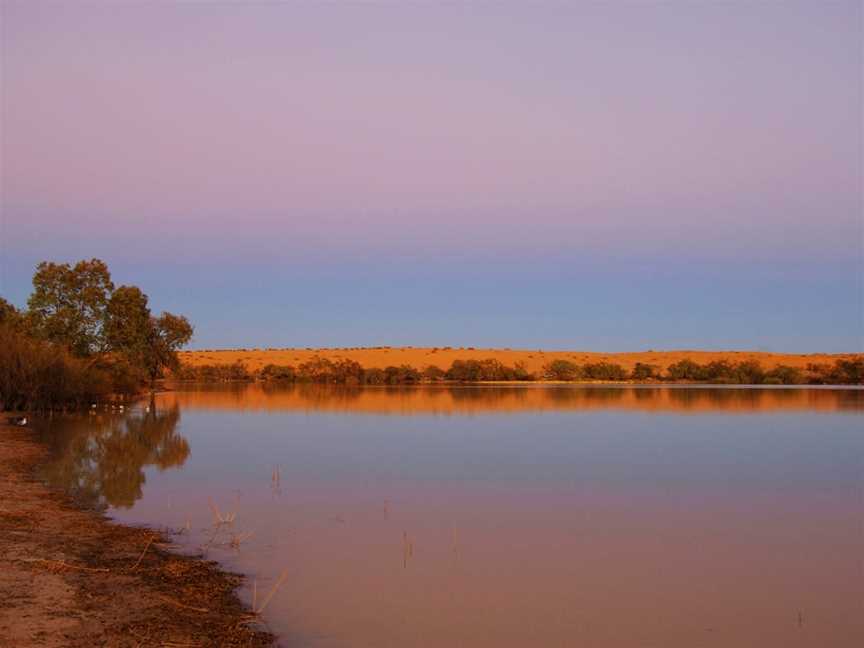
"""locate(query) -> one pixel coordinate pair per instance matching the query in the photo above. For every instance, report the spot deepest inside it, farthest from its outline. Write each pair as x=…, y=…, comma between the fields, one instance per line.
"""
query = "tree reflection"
x=100, y=459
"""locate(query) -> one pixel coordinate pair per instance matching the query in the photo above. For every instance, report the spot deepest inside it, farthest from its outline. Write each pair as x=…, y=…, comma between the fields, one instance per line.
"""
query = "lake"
x=513, y=516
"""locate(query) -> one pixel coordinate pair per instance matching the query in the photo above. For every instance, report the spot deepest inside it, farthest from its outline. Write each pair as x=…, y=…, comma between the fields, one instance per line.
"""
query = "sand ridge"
x=533, y=360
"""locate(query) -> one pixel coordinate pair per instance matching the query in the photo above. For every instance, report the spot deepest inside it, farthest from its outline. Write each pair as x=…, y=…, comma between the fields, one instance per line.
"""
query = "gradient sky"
x=603, y=176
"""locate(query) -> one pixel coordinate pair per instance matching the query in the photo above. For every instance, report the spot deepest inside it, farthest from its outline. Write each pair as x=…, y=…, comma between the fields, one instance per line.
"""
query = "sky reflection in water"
x=506, y=516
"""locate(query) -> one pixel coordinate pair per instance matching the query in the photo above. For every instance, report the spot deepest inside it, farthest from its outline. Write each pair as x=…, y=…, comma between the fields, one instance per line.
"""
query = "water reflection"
x=100, y=459
x=504, y=516
x=494, y=398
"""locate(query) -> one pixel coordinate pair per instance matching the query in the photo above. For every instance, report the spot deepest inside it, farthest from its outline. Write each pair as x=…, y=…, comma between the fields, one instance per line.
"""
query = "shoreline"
x=72, y=577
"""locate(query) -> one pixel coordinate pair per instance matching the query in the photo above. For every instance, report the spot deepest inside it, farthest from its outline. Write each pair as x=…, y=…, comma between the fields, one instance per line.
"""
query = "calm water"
x=513, y=516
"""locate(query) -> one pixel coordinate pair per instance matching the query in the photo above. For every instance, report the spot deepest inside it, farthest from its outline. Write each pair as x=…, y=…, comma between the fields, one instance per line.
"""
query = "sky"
x=602, y=176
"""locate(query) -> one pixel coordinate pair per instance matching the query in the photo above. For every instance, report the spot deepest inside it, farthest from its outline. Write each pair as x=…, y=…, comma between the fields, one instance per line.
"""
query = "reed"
x=271, y=593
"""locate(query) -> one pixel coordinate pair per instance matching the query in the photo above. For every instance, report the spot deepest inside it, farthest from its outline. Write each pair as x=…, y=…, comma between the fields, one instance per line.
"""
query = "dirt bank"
x=70, y=577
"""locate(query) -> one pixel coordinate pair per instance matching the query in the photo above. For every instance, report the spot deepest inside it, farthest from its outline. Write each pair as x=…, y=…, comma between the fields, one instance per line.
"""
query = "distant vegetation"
x=82, y=339
x=350, y=372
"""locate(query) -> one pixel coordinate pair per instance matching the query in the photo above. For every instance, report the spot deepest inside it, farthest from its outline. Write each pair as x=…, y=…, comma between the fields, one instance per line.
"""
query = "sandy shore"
x=70, y=577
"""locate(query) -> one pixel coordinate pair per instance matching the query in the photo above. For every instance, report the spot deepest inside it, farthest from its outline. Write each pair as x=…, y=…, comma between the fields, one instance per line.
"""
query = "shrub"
x=561, y=370
x=40, y=375
x=685, y=370
x=644, y=371
x=214, y=372
x=604, y=371
x=286, y=373
x=465, y=371
x=401, y=375
x=849, y=372
x=433, y=373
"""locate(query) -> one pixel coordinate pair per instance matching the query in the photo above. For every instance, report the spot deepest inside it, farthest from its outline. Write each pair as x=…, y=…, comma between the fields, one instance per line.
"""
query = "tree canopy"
x=68, y=304
x=78, y=308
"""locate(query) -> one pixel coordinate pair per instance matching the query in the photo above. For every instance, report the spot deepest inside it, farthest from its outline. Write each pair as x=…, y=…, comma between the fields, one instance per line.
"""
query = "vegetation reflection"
x=100, y=459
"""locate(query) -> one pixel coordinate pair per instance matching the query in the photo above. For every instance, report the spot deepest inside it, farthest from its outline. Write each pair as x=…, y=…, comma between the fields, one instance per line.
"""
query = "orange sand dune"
x=446, y=400
x=443, y=357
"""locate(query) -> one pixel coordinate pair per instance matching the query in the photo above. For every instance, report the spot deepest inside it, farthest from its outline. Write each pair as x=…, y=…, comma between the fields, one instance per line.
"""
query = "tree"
x=146, y=342
x=128, y=325
x=68, y=304
x=168, y=333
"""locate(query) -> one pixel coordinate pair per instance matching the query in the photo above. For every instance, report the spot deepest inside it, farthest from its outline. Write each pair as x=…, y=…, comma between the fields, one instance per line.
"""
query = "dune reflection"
x=507, y=399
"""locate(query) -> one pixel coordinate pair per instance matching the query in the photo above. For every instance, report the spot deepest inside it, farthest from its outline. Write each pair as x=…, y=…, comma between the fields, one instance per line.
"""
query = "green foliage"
x=465, y=371
x=488, y=369
x=433, y=373
x=843, y=372
x=604, y=371
x=748, y=372
x=401, y=375
x=168, y=333
x=82, y=339
x=127, y=324
x=103, y=465
x=643, y=371
x=849, y=372
x=211, y=373
x=562, y=370
x=349, y=372
x=375, y=376
x=278, y=372
x=68, y=304
x=685, y=370
x=10, y=316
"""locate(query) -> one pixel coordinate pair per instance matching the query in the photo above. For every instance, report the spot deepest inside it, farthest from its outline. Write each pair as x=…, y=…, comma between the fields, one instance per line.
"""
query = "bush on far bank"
x=349, y=372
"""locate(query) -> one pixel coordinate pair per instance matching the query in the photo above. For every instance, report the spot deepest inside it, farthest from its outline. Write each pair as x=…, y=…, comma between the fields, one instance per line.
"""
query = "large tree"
x=168, y=333
x=128, y=327
x=79, y=307
x=68, y=304
x=148, y=343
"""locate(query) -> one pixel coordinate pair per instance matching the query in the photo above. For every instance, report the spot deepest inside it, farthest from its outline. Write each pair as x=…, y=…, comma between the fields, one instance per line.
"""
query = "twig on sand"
x=60, y=565
x=183, y=605
x=141, y=557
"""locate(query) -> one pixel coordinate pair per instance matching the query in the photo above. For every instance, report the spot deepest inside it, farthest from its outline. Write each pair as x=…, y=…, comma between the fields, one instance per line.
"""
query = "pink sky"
x=715, y=133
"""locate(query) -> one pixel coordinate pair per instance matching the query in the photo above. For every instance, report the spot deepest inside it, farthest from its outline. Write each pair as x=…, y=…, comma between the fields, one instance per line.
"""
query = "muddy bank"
x=70, y=577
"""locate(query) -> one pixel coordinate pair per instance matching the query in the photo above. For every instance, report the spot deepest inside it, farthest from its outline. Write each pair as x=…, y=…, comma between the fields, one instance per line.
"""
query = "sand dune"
x=534, y=360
